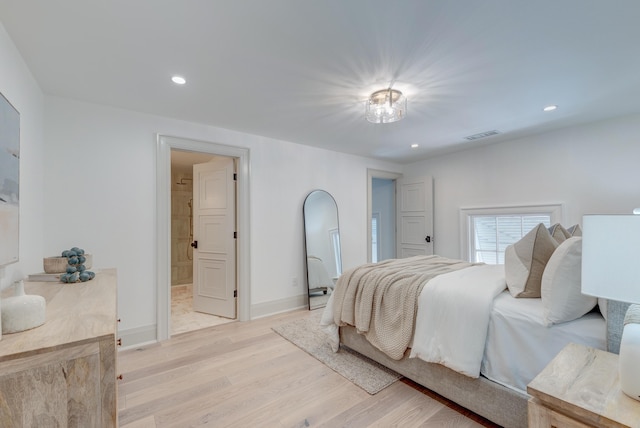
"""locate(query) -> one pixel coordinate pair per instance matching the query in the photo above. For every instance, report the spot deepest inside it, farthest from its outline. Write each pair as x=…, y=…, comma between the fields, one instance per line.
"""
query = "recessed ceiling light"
x=178, y=80
x=550, y=108
x=414, y=146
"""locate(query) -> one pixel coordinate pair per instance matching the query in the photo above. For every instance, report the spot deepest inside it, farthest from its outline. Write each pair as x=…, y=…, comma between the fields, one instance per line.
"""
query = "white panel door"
x=415, y=216
x=214, y=220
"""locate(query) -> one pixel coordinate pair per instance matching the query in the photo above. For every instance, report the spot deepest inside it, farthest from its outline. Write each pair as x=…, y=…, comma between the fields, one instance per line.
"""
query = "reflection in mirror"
x=322, y=246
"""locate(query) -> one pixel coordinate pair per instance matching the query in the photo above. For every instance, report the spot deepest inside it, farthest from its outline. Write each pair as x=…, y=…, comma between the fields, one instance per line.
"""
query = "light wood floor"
x=242, y=374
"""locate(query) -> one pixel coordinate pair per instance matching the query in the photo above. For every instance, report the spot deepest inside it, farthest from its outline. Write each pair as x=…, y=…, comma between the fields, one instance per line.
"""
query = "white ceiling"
x=300, y=70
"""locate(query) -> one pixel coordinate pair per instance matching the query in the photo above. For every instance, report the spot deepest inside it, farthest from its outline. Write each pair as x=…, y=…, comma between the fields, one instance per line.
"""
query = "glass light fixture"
x=386, y=106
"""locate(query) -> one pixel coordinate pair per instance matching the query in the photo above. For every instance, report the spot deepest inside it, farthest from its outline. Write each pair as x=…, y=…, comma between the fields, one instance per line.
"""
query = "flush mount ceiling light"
x=550, y=108
x=386, y=106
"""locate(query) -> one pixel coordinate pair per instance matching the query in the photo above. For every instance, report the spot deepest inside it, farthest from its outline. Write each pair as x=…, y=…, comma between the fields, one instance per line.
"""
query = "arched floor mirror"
x=322, y=246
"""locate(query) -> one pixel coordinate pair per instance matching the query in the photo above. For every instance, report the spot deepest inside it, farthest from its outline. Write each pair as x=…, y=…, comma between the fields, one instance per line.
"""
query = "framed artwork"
x=9, y=182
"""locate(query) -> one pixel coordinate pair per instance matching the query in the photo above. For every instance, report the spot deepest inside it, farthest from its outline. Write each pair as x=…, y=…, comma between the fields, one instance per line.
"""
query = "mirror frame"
x=306, y=243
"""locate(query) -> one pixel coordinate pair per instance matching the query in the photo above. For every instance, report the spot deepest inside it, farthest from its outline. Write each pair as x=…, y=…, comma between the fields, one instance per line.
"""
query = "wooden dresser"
x=63, y=373
x=580, y=388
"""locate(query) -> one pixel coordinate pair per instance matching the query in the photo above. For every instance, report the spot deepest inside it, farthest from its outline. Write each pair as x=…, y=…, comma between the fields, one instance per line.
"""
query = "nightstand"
x=580, y=388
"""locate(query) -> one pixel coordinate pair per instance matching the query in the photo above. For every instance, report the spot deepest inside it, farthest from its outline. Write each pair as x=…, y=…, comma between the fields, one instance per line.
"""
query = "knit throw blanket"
x=381, y=299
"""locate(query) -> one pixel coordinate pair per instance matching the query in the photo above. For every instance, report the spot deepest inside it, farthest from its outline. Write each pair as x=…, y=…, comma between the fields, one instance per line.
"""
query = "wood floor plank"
x=237, y=400
x=268, y=412
x=372, y=409
x=316, y=409
x=153, y=406
x=415, y=411
x=244, y=374
x=148, y=422
x=215, y=364
x=268, y=380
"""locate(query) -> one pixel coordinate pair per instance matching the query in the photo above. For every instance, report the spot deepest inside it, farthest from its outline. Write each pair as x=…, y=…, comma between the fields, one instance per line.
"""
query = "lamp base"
x=629, y=368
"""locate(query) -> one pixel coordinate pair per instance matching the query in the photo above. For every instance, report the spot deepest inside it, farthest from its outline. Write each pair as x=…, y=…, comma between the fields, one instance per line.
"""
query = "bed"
x=487, y=368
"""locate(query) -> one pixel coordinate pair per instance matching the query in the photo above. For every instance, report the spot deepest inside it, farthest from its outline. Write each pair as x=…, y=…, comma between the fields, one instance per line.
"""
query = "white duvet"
x=453, y=317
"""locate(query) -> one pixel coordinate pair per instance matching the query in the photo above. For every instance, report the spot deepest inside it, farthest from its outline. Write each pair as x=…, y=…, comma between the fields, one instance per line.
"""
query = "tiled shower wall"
x=181, y=251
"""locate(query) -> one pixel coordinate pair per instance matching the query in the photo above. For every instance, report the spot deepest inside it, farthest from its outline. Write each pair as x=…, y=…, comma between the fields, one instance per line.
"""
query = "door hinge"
x=235, y=177
x=235, y=293
x=235, y=235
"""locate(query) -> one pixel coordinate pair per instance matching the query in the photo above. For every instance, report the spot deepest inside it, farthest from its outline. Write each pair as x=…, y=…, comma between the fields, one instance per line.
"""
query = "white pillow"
x=562, y=298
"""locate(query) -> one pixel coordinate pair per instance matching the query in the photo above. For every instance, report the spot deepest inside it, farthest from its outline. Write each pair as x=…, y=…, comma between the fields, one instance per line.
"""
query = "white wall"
x=100, y=179
x=93, y=185
x=590, y=169
x=20, y=88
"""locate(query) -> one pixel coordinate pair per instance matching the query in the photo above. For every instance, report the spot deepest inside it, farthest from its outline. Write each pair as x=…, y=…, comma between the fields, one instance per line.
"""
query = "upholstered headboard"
x=615, y=318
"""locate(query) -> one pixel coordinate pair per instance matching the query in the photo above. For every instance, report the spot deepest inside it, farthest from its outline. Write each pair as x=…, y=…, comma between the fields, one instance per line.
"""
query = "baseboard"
x=148, y=334
x=273, y=307
x=138, y=336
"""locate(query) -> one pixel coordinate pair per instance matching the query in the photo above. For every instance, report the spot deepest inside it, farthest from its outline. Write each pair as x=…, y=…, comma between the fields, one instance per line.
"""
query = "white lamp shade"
x=611, y=257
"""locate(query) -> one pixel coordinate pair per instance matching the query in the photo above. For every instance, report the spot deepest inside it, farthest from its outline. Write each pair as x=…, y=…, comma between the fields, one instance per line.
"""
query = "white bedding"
x=484, y=330
x=519, y=345
x=453, y=315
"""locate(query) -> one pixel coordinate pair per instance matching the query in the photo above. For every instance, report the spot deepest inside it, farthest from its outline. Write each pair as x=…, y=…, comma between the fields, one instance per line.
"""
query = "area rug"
x=307, y=335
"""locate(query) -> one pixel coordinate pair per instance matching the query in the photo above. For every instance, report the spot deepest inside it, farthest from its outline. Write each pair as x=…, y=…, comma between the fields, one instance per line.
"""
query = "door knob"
x=194, y=244
x=428, y=239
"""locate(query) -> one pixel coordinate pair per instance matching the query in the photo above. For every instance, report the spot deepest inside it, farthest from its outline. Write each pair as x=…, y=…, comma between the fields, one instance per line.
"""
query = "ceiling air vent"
x=481, y=135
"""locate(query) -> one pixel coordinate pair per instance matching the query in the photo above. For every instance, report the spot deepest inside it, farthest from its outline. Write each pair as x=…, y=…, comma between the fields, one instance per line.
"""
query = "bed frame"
x=501, y=405
x=504, y=406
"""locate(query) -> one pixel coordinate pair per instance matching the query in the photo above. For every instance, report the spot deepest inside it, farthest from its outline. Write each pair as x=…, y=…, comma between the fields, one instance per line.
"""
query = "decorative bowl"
x=59, y=264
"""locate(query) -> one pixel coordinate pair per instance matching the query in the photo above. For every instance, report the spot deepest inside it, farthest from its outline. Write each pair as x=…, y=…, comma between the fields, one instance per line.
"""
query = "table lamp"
x=611, y=270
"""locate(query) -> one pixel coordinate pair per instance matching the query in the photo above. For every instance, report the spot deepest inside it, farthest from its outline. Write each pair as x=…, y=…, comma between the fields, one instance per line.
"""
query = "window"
x=487, y=232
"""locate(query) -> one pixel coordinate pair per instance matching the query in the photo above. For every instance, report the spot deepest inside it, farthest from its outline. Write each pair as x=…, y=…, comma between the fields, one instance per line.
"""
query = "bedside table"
x=580, y=388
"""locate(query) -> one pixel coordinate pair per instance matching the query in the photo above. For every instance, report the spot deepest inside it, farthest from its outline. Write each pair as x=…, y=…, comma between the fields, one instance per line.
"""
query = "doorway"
x=381, y=215
x=165, y=146
x=383, y=219
x=184, y=316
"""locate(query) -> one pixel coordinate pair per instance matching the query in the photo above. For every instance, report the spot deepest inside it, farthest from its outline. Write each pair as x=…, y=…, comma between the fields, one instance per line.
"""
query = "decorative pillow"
x=525, y=260
x=559, y=233
x=562, y=298
x=575, y=230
